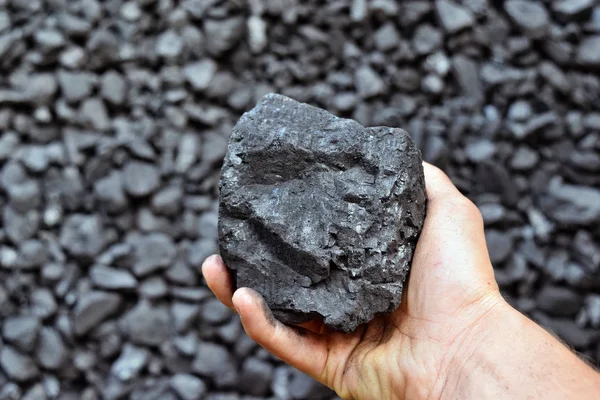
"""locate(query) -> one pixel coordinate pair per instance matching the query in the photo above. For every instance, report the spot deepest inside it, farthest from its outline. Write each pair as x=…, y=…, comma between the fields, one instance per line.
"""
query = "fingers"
x=303, y=349
x=218, y=279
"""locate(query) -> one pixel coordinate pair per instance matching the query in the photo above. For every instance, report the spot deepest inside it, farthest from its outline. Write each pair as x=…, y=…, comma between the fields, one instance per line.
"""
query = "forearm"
x=513, y=358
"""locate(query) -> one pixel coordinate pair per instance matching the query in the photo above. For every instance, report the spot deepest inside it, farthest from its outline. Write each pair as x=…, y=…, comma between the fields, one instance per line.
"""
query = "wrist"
x=473, y=349
x=507, y=355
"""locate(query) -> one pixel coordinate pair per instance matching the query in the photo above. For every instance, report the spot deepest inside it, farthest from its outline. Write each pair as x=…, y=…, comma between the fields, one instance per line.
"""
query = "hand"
x=450, y=298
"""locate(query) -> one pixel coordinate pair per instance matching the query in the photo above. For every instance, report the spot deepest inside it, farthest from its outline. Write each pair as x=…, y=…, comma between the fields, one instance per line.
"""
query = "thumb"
x=305, y=350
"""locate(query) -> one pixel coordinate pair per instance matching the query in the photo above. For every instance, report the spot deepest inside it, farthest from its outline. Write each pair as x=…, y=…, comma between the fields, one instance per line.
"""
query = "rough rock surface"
x=320, y=214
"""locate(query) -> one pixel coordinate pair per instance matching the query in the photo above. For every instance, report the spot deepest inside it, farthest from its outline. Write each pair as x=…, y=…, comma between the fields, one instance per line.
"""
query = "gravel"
x=105, y=277
x=427, y=39
x=21, y=331
x=83, y=236
x=588, y=52
x=153, y=251
x=114, y=119
x=256, y=376
x=452, y=16
x=559, y=301
x=92, y=308
x=51, y=352
x=531, y=17
x=199, y=74
x=215, y=362
x=367, y=82
x=188, y=387
x=130, y=362
x=140, y=178
x=147, y=325
x=17, y=365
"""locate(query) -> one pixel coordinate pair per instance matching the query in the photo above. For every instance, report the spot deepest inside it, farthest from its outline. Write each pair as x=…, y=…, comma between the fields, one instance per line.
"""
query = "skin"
x=453, y=336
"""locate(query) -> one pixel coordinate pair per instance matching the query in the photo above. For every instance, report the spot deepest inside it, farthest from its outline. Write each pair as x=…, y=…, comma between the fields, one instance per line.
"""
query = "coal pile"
x=114, y=120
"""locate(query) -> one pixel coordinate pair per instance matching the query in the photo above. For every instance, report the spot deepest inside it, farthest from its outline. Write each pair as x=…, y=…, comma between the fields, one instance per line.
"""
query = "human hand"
x=450, y=298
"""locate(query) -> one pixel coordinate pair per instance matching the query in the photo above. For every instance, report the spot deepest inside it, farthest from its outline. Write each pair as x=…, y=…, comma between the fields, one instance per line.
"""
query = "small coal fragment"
x=386, y=38
x=215, y=362
x=593, y=309
x=147, y=325
x=112, y=278
x=588, y=53
x=83, y=235
x=186, y=344
x=555, y=77
x=306, y=210
x=109, y=192
x=37, y=392
x=184, y=315
x=200, y=73
x=11, y=391
x=17, y=365
x=51, y=352
x=188, y=387
x=427, y=39
x=130, y=363
x=368, y=83
x=559, y=301
x=168, y=200
x=92, y=308
x=140, y=178
x=21, y=331
x=580, y=204
x=467, y=76
x=32, y=254
x=153, y=288
x=257, y=34
x=152, y=252
x=529, y=15
x=113, y=88
x=452, y=16
x=214, y=312
x=302, y=386
x=43, y=303
x=256, y=376
x=222, y=35
x=480, y=150
x=75, y=86
x=568, y=330
x=94, y=114
x=520, y=111
x=524, y=159
x=169, y=44
x=573, y=9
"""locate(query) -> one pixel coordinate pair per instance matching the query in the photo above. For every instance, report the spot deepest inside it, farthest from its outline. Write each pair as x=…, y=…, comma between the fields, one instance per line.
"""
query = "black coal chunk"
x=318, y=213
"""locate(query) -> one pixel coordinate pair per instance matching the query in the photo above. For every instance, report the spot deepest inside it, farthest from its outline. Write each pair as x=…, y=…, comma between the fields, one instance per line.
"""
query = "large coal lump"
x=318, y=213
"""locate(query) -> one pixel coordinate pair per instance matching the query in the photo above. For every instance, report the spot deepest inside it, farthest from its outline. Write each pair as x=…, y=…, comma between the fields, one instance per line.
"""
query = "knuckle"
x=465, y=208
x=437, y=171
x=434, y=172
